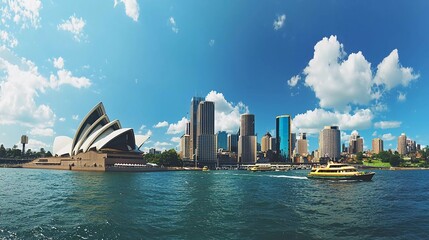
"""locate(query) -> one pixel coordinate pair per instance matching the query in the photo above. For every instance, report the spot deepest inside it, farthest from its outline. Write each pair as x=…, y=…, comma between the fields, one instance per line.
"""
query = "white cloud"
x=61, y=119
x=36, y=145
x=387, y=124
x=175, y=139
x=75, y=26
x=24, y=13
x=59, y=63
x=161, y=124
x=335, y=81
x=402, y=97
x=390, y=72
x=227, y=115
x=75, y=117
x=46, y=132
x=173, y=25
x=293, y=81
x=211, y=42
x=314, y=120
x=279, y=22
x=388, y=137
x=374, y=134
x=142, y=127
x=65, y=77
x=131, y=8
x=179, y=127
x=8, y=39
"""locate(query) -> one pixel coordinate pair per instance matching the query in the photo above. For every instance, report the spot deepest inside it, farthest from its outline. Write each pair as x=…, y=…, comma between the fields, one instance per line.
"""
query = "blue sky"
x=361, y=65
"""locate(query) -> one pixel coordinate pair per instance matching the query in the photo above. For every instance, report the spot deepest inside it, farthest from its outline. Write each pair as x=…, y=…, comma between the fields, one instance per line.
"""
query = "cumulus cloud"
x=173, y=25
x=75, y=26
x=387, y=124
x=46, y=132
x=388, y=137
x=75, y=117
x=179, y=127
x=402, y=97
x=175, y=139
x=314, y=120
x=390, y=72
x=61, y=119
x=335, y=80
x=131, y=8
x=279, y=22
x=227, y=114
x=35, y=145
x=293, y=81
x=24, y=13
x=65, y=77
x=161, y=124
x=8, y=39
x=374, y=134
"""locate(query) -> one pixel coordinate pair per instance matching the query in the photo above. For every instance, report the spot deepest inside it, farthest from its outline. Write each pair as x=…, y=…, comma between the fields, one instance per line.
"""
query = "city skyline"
x=357, y=65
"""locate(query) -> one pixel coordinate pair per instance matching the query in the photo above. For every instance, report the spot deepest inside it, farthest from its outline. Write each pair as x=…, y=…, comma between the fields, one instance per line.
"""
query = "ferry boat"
x=339, y=171
x=261, y=168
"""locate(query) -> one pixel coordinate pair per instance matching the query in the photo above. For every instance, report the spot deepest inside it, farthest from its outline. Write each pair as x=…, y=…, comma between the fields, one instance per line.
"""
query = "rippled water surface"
x=49, y=204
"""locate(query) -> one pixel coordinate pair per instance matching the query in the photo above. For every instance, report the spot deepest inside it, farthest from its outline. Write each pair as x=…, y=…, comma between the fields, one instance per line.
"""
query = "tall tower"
x=302, y=145
x=266, y=142
x=24, y=140
x=355, y=144
x=247, y=143
x=402, y=144
x=206, y=139
x=283, y=137
x=193, y=125
x=330, y=142
x=233, y=143
x=377, y=145
x=222, y=140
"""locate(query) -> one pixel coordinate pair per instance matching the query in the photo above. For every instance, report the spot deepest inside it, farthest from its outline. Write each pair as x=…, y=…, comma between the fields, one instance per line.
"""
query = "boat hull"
x=357, y=177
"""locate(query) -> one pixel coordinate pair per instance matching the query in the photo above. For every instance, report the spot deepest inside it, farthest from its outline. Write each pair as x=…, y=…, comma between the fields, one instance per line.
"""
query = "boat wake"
x=285, y=176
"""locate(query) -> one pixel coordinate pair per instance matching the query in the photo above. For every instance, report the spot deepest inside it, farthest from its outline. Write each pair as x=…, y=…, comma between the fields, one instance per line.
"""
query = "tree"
x=170, y=158
x=2, y=151
x=395, y=160
x=359, y=156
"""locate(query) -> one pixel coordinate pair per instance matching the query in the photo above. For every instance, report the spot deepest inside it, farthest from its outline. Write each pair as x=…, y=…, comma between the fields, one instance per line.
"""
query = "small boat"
x=339, y=171
x=260, y=168
x=205, y=168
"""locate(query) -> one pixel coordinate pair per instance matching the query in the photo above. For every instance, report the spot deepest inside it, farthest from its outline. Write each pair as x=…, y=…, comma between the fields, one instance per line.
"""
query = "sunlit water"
x=49, y=204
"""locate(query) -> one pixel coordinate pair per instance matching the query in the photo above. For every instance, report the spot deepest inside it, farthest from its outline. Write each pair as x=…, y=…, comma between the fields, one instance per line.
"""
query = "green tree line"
x=168, y=158
x=16, y=153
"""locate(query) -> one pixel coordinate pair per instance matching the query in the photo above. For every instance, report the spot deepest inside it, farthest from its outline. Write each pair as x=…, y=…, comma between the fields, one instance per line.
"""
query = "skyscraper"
x=193, y=124
x=330, y=142
x=222, y=140
x=206, y=139
x=247, y=143
x=402, y=144
x=233, y=143
x=302, y=145
x=273, y=144
x=355, y=143
x=185, y=148
x=377, y=145
x=266, y=142
x=292, y=142
x=283, y=137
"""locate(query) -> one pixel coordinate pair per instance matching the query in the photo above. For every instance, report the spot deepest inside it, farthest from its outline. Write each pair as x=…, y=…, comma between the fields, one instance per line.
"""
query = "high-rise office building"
x=185, y=149
x=302, y=145
x=206, y=139
x=377, y=145
x=283, y=138
x=233, y=143
x=355, y=144
x=293, y=142
x=193, y=124
x=266, y=142
x=402, y=144
x=222, y=140
x=330, y=143
x=411, y=146
x=247, y=143
x=273, y=144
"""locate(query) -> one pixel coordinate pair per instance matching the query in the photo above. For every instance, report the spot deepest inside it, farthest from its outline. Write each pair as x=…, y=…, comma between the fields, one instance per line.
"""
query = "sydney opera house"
x=98, y=145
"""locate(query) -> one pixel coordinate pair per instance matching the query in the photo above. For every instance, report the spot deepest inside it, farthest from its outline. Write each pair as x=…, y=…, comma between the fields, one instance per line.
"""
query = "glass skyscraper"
x=283, y=136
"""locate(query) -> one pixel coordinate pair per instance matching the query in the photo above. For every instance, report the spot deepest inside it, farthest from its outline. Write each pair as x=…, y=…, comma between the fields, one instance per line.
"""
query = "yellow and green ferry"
x=339, y=171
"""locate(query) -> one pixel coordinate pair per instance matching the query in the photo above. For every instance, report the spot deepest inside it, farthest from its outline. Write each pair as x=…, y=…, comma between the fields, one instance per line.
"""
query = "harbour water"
x=50, y=204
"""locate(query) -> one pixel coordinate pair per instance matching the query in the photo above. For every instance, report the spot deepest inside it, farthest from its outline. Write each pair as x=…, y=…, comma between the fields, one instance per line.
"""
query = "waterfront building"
x=330, y=143
x=154, y=151
x=293, y=142
x=97, y=145
x=233, y=143
x=402, y=144
x=411, y=146
x=206, y=139
x=195, y=101
x=247, y=143
x=185, y=149
x=222, y=140
x=355, y=143
x=377, y=145
x=283, y=137
x=302, y=147
x=273, y=144
x=418, y=147
x=266, y=142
